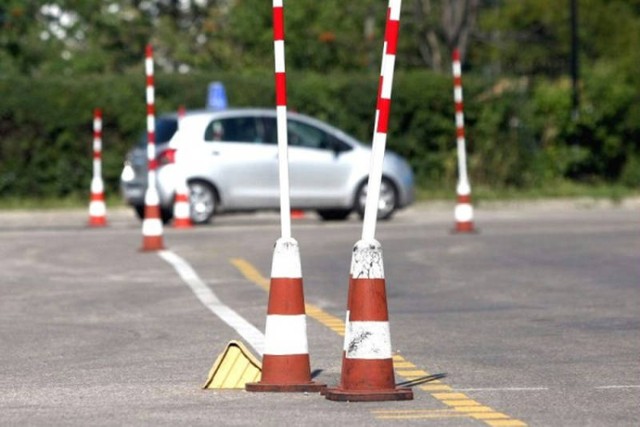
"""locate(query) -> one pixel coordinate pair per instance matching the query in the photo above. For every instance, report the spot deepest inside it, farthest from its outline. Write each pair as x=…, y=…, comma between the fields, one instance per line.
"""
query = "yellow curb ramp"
x=233, y=368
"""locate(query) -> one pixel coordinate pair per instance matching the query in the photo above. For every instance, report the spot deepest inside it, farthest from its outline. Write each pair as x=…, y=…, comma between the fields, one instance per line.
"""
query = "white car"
x=230, y=159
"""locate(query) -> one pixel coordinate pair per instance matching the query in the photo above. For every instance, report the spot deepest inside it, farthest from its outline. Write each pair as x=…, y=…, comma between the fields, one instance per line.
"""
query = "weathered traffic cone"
x=97, y=206
x=285, y=363
x=367, y=368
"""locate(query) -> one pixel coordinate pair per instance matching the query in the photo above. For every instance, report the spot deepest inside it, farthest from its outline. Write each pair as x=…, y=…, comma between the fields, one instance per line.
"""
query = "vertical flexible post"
x=383, y=109
x=464, y=210
x=152, y=223
x=97, y=207
x=281, y=112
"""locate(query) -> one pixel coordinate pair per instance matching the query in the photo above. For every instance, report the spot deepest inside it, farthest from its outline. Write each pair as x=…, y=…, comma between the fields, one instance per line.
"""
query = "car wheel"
x=165, y=214
x=334, y=214
x=387, y=204
x=202, y=202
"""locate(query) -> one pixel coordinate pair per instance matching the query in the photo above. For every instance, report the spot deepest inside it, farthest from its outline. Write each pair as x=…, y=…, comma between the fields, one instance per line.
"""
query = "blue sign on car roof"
x=216, y=96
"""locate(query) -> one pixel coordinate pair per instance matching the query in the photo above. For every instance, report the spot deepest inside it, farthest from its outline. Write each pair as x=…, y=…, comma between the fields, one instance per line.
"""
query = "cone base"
x=464, y=227
x=182, y=223
x=152, y=243
x=343, y=395
x=286, y=388
x=98, y=221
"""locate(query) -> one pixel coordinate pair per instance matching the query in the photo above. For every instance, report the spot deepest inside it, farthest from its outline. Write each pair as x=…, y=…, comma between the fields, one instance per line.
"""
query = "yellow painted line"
x=461, y=402
x=412, y=374
x=448, y=396
x=462, y=405
x=403, y=365
x=250, y=272
x=489, y=416
x=474, y=409
x=436, y=387
x=506, y=423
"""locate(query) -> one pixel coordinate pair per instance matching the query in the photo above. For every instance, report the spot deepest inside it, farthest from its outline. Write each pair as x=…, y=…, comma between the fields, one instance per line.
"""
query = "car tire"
x=334, y=214
x=388, y=199
x=203, y=201
x=165, y=214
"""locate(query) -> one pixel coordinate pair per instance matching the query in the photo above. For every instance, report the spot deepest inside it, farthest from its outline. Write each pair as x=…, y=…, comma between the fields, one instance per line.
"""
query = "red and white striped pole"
x=463, y=212
x=285, y=362
x=97, y=207
x=367, y=364
x=381, y=124
x=152, y=223
x=181, y=215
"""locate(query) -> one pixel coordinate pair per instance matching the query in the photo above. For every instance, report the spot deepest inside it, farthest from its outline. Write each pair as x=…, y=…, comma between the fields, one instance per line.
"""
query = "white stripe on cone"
x=286, y=334
x=373, y=340
x=286, y=259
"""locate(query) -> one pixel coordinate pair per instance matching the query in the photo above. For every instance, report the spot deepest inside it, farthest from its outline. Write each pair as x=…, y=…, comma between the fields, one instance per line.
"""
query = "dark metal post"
x=575, y=74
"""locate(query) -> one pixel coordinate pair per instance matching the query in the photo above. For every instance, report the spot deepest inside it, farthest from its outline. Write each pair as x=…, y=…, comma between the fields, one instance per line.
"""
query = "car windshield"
x=165, y=128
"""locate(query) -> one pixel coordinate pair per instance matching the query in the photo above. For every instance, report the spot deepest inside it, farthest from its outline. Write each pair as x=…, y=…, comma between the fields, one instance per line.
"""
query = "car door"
x=242, y=164
x=319, y=165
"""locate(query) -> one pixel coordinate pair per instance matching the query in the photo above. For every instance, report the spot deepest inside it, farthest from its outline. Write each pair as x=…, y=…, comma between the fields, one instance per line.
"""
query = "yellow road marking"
x=448, y=396
x=461, y=402
x=490, y=416
x=436, y=387
x=412, y=374
x=462, y=405
x=403, y=364
x=506, y=423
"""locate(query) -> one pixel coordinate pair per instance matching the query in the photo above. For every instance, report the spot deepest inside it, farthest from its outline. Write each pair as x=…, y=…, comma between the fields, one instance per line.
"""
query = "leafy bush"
x=520, y=133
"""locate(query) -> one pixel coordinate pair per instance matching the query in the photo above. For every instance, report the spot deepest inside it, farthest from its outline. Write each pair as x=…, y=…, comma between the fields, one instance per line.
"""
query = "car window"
x=165, y=128
x=303, y=135
x=233, y=129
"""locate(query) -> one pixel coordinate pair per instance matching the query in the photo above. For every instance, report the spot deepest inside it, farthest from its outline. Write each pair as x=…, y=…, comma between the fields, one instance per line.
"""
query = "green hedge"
x=520, y=133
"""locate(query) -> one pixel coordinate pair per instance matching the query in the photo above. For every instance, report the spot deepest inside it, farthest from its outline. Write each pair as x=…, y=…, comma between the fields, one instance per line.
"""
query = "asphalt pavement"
x=533, y=320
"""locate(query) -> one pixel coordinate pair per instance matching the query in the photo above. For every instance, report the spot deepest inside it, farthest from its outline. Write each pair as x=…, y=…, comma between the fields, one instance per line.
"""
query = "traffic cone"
x=97, y=207
x=152, y=223
x=285, y=363
x=367, y=368
x=463, y=213
x=297, y=214
x=181, y=217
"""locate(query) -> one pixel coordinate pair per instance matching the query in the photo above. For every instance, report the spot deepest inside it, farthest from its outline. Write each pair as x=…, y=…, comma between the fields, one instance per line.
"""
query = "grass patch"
x=558, y=190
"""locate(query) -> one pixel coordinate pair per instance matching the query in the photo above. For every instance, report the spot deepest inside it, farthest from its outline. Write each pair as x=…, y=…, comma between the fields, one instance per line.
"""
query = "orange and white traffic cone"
x=97, y=206
x=285, y=362
x=463, y=213
x=181, y=207
x=181, y=216
x=297, y=214
x=367, y=369
x=152, y=239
